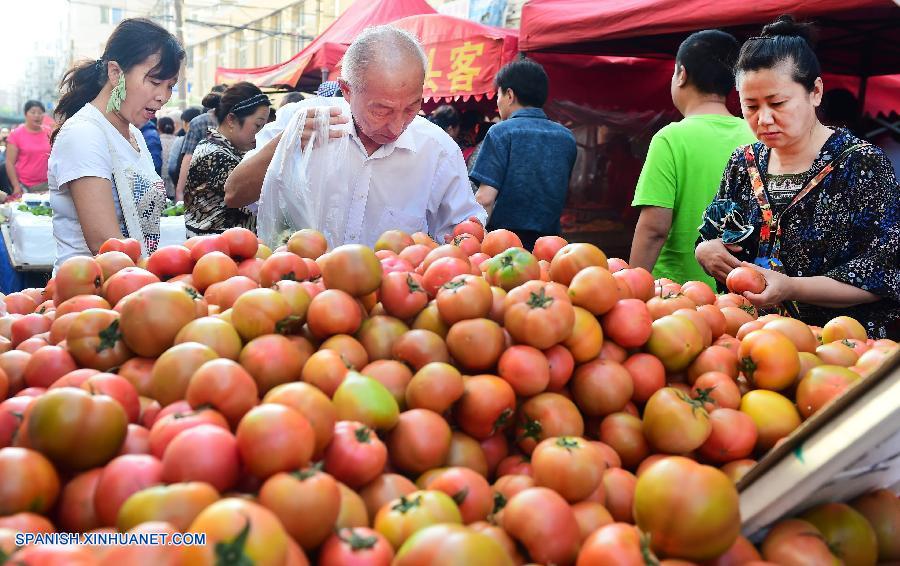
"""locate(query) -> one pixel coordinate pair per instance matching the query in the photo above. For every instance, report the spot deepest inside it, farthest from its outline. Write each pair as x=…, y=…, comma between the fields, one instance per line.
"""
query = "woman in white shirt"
x=102, y=180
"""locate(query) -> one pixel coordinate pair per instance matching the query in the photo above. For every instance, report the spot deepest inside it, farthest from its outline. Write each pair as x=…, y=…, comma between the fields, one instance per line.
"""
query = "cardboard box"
x=851, y=446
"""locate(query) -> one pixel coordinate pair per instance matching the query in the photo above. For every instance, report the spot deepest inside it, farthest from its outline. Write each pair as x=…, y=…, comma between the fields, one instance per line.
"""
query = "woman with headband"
x=242, y=112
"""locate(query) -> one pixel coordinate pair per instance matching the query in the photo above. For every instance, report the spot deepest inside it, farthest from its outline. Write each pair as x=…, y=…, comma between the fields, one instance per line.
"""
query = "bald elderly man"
x=400, y=172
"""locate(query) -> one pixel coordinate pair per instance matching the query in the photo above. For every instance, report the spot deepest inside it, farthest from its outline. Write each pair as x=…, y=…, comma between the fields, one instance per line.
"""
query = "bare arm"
x=12, y=153
x=244, y=183
x=650, y=234
x=96, y=210
x=818, y=290
x=486, y=197
x=182, y=176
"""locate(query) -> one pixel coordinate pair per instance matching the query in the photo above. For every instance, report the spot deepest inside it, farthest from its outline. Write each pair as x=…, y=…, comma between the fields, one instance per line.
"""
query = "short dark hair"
x=166, y=125
x=290, y=97
x=527, y=79
x=784, y=40
x=241, y=99
x=708, y=58
x=190, y=113
x=34, y=104
x=444, y=116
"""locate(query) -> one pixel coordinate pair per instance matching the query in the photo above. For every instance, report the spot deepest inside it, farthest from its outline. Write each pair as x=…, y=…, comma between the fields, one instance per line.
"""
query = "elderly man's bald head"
x=385, y=50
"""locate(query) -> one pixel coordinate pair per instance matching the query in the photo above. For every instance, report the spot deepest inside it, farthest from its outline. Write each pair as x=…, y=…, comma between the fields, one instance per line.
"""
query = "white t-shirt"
x=81, y=150
x=417, y=183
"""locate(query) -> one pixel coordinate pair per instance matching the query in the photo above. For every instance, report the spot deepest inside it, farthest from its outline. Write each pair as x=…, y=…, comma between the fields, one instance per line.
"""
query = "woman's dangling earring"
x=117, y=96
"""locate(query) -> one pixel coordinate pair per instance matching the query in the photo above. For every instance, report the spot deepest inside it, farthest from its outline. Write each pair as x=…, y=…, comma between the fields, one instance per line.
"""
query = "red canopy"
x=326, y=50
x=463, y=56
x=856, y=37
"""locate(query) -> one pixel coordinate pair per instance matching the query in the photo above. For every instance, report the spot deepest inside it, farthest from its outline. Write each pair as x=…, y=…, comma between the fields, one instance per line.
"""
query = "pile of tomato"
x=412, y=404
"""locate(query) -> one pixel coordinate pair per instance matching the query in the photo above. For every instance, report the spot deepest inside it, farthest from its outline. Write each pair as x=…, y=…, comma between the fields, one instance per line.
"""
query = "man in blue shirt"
x=154, y=143
x=525, y=161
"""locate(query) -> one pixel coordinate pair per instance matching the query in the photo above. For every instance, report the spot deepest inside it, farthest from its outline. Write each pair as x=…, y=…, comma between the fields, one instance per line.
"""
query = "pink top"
x=34, y=152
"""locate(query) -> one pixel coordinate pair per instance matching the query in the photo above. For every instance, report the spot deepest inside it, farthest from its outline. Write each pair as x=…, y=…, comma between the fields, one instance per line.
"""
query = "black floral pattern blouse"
x=847, y=228
x=204, y=193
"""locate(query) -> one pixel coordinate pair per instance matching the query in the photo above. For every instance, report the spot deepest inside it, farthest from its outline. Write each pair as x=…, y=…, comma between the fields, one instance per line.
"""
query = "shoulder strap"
x=123, y=188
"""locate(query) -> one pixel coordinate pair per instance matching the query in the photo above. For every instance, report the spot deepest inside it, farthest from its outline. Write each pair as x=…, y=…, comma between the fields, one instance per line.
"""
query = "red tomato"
x=46, y=365
x=624, y=433
x=882, y=509
x=272, y=360
x=774, y=415
x=469, y=227
x=628, y=323
x=544, y=416
x=545, y=524
x=355, y=455
x=225, y=386
x=169, y=261
x=307, y=243
x=358, y=546
x=204, y=453
x=464, y=297
x=794, y=541
x=125, y=282
x=128, y=246
x=78, y=275
x=539, y=314
x=403, y=295
x=447, y=543
x=95, y=340
x=648, y=375
x=486, y=407
x=674, y=423
x=242, y=243
x=567, y=465
x=242, y=529
x=436, y=386
x=526, y=369
x=121, y=478
x=351, y=268
x=153, y=315
x=546, y=247
x=274, y=438
x=717, y=390
x=733, y=436
x=30, y=482
x=846, y=531
x=419, y=442
x=594, y=288
x=307, y=502
x=820, y=385
x=496, y=241
x=420, y=347
x=572, y=258
x=469, y=490
x=619, y=543
x=769, y=359
x=76, y=511
x=399, y=519
x=168, y=426
x=745, y=279
x=601, y=387
x=476, y=344
x=689, y=510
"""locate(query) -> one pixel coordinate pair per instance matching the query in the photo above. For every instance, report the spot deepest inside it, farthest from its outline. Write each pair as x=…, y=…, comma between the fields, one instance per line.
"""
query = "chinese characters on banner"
x=462, y=68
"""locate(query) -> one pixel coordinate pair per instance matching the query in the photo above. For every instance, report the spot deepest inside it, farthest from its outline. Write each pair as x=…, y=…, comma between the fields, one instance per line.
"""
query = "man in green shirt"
x=686, y=159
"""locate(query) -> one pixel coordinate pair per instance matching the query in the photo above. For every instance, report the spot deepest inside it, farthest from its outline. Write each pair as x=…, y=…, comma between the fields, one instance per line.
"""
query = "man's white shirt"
x=417, y=183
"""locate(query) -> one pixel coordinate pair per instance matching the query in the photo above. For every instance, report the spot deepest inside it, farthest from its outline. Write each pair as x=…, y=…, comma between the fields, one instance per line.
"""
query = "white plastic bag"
x=294, y=194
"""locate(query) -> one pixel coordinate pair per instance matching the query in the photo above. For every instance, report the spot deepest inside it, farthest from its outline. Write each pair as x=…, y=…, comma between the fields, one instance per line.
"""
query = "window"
x=104, y=14
x=117, y=15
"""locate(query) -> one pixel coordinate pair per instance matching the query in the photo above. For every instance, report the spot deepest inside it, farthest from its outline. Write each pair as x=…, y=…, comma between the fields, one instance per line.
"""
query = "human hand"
x=779, y=288
x=716, y=258
x=335, y=118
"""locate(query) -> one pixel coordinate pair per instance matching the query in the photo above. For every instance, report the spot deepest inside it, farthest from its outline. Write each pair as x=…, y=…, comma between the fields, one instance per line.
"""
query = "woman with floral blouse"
x=243, y=110
x=815, y=209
